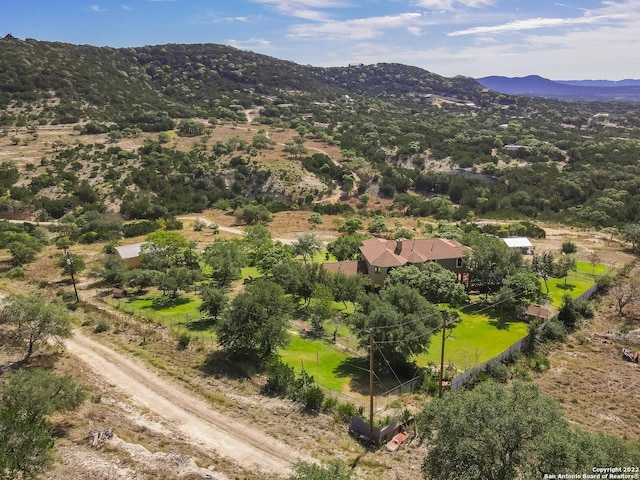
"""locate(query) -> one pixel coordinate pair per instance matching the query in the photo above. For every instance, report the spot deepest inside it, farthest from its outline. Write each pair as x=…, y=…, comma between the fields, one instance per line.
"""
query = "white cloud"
x=213, y=18
x=307, y=9
x=534, y=23
x=125, y=7
x=356, y=29
x=453, y=4
x=96, y=8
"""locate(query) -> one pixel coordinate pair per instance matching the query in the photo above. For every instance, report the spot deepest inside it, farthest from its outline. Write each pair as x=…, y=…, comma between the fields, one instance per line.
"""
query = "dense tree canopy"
x=256, y=322
x=509, y=433
x=402, y=321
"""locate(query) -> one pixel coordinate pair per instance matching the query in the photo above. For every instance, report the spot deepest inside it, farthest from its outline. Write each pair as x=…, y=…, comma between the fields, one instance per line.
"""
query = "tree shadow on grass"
x=357, y=370
x=164, y=302
x=501, y=319
x=220, y=364
x=565, y=286
x=202, y=325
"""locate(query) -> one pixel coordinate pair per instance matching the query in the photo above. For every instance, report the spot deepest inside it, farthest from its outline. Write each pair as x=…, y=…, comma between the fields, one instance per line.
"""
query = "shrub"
x=539, y=363
x=498, y=371
x=584, y=308
x=520, y=372
x=344, y=411
x=184, y=339
x=555, y=331
x=15, y=273
x=312, y=397
x=329, y=404
x=280, y=379
x=69, y=297
x=101, y=326
x=604, y=284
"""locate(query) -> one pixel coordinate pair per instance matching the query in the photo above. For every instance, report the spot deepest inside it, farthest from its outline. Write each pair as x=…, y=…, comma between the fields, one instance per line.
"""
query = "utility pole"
x=371, y=384
x=70, y=265
x=445, y=314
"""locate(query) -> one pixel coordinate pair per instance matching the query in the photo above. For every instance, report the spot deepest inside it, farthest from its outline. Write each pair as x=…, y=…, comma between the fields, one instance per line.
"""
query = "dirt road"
x=186, y=415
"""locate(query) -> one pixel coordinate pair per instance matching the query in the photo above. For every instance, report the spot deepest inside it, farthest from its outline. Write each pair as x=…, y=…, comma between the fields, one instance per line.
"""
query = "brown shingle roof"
x=394, y=253
x=348, y=268
x=538, y=311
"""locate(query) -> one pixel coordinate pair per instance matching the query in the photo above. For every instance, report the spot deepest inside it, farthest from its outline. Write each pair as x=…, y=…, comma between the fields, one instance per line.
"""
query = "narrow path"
x=185, y=414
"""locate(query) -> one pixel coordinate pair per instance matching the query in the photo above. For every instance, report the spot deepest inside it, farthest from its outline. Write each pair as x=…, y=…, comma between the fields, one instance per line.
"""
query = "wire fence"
x=191, y=323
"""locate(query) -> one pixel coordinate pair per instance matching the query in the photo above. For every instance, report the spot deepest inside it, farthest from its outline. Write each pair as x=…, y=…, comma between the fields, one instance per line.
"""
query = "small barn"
x=535, y=312
x=130, y=254
x=521, y=243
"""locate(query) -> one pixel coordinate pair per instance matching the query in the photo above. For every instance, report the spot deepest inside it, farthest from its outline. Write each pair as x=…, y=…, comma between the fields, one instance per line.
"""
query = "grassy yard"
x=322, y=360
x=479, y=336
x=180, y=313
x=575, y=286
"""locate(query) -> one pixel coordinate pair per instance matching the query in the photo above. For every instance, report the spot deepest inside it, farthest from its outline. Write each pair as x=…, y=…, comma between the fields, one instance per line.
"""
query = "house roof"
x=538, y=311
x=517, y=242
x=129, y=251
x=348, y=268
x=394, y=253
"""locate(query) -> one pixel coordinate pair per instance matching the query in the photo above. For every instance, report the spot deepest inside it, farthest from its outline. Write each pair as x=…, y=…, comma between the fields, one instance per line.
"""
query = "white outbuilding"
x=523, y=243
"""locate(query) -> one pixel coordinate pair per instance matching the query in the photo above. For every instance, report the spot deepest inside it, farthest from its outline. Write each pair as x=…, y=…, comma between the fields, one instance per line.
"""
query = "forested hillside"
x=437, y=146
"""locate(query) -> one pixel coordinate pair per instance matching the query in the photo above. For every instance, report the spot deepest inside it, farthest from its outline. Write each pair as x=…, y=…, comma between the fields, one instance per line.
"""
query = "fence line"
x=171, y=322
x=459, y=380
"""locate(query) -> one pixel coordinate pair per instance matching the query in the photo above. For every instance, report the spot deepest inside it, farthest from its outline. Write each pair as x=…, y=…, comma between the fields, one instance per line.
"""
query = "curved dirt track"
x=185, y=414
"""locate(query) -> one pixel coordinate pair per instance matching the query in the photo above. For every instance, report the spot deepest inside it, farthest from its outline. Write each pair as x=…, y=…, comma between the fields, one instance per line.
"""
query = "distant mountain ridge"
x=535, y=85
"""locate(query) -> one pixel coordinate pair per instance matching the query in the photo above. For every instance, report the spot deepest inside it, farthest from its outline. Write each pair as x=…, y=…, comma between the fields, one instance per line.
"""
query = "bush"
x=520, y=372
x=344, y=411
x=280, y=379
x=498, y=371
x=539, y=363
x=69, y=297
x=555, y=331
x=101, y=326
x=584, y=308
x=184, y=339
x=15, y=273
x=312, y=397
x=329, y=404
x=604, y=284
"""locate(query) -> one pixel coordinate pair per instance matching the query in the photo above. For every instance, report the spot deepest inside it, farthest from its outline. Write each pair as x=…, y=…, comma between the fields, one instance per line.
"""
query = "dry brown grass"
x=596, y=388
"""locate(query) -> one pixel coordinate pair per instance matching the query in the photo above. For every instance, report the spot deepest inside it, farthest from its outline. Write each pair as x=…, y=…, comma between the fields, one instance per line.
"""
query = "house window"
x=459, y=263
x=377, y=269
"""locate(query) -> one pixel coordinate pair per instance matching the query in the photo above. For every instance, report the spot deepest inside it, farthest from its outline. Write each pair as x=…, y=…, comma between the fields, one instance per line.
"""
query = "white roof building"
x=129, y=251
x=522, y=243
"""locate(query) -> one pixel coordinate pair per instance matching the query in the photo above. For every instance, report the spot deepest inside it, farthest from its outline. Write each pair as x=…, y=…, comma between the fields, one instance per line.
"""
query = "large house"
x=380, y=256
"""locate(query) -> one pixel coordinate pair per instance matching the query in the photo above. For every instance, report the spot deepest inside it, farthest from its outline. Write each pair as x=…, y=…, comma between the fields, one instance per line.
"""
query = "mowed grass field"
x=481, y=334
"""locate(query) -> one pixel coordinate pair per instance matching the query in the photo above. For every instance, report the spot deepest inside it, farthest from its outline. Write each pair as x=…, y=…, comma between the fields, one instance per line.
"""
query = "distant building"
x=130, y=254
x=513, y=148
x=521, y=243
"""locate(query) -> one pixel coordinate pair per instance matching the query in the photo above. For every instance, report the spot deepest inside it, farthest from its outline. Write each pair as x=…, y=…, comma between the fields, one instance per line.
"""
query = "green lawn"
x=178, y=313
x=329, y=365
x=477, y=338
x=586, y=268
x=575, y=286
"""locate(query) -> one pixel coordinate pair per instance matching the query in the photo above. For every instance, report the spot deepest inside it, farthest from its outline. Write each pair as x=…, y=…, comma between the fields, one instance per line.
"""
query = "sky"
x=564, y=40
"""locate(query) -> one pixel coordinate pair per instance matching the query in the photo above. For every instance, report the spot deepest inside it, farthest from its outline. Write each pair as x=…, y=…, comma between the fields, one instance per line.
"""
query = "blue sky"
x=570, y=39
